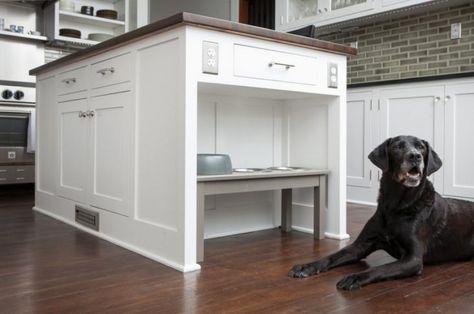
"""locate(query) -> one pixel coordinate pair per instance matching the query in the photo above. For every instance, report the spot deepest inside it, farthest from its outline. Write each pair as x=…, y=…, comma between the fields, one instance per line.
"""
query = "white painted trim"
x=330, y=235
x=240, y=231
x=159, y=259
x=302, y=229
x=361, y=202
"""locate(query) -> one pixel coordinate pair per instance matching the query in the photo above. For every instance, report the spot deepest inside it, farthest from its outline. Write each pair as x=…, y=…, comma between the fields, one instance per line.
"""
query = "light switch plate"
x=455, y=30
x=332, y=75
x=210, y=57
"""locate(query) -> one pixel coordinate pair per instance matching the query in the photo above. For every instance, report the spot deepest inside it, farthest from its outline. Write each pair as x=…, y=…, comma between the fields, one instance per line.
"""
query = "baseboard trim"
x=336, y=236
x=226, y=234
x=302, y=229
x=157, y=258
x=361, y=202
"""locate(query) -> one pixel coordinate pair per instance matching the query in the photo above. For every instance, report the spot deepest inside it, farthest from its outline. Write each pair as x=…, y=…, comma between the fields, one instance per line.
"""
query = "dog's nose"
x=414, y=156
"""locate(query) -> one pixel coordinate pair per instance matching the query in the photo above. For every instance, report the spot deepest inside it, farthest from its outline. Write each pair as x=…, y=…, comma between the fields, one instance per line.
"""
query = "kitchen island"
x=120, y=124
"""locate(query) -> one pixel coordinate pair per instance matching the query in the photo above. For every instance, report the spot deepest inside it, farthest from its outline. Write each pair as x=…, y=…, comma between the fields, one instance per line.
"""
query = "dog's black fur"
x=412, y=223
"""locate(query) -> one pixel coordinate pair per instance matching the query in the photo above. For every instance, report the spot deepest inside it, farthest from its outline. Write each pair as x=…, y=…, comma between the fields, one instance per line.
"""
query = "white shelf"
x=79, y=41
x=91, y=20
x=22, y=36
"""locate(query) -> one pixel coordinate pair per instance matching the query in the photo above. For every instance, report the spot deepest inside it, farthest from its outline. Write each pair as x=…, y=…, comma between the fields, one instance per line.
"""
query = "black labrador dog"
x=413, y=223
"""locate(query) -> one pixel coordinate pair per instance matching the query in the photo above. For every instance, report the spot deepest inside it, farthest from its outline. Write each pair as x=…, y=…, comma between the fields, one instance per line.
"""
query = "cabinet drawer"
x=275, y=65
x=17, y=174
x=111, y=71
x=72, y=81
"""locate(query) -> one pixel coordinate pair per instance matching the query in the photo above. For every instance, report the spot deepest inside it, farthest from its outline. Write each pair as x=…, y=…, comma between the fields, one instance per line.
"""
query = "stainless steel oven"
x=17, y=134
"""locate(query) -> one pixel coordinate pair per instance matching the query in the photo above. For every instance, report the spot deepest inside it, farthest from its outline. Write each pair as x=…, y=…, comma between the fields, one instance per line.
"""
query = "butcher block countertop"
x=196, y=20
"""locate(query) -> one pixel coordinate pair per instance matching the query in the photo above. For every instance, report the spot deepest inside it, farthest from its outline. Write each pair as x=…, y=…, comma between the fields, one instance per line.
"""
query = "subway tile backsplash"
x=412, y=46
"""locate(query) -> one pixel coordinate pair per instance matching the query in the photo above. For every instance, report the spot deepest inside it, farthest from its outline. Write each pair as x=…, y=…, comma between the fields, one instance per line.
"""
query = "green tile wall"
x=412, y=46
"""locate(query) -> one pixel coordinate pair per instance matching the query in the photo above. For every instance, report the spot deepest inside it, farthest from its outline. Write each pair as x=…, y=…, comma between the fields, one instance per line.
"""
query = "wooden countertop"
x=263, y=175
x=198, y=21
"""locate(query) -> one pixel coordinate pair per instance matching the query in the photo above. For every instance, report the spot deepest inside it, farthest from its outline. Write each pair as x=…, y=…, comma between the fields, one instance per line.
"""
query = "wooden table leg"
x=286, y=209
x=319, y=208
x=200, y=223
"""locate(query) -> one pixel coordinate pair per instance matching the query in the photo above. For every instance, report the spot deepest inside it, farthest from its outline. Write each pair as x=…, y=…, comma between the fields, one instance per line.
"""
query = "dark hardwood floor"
x=49, y=267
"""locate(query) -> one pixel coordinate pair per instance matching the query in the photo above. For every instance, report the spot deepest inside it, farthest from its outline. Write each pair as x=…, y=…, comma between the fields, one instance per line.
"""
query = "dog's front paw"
x=353, y=281
x=305, y=270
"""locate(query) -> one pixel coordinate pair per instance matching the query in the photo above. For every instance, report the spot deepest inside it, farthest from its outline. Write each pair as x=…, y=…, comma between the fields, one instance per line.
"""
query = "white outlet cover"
x=455, y=30
x=210, y=57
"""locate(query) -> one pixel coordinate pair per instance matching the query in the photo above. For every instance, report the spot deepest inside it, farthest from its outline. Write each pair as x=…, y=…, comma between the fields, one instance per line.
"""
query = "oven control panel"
x=18, y=94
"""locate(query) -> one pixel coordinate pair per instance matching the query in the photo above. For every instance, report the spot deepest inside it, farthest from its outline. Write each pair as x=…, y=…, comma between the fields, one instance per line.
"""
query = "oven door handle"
x=13, y=117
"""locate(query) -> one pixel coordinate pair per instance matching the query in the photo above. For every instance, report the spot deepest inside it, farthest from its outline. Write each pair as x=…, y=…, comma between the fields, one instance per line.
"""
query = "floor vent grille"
x=87, y=218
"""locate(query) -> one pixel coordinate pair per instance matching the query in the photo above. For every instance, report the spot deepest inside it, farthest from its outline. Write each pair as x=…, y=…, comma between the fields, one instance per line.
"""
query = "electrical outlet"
x=354, y=44
x=332, y=75
x=455, y=30
x=210, y=57
x=11, y=155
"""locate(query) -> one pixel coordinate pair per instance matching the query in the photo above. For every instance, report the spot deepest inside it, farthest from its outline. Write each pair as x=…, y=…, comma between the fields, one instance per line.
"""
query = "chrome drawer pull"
x=69, y=80
x=20, y=170
x=3, y=170
x=82, y=114
x=286, y=65
x=20, y=178
x=90, y=113
x=105, y=70
x=3, y=179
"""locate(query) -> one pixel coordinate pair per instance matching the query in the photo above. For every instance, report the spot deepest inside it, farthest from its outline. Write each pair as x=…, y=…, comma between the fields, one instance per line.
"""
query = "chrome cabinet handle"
x=69, y=80
x=447, y=98
x=286, y=65
x=437, y=99
x=90, y=113
x=105, y=70
x=82, y=114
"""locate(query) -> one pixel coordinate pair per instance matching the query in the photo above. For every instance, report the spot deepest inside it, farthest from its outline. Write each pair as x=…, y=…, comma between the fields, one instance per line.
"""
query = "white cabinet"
x=294, y=14
x=110, y=151
x=94, y=154
x=359, y=139
x=459, y=151
x=440, y=113
x=73, y=153
x=57, y=18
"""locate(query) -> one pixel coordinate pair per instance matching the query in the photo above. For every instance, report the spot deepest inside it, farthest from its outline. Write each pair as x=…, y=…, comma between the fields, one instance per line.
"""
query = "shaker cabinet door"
x=459, y=152
x=416, y=111
x=73, y=150
x=111, y=152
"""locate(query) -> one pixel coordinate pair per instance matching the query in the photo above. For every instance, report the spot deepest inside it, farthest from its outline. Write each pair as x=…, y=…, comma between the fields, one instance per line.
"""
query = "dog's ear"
x=379, y=156
x=432, y=162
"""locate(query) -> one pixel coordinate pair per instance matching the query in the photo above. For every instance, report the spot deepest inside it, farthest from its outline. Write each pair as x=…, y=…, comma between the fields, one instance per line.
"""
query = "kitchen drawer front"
x=17, y=174
x=275, y=65
x=111, y=71
x=72, y=81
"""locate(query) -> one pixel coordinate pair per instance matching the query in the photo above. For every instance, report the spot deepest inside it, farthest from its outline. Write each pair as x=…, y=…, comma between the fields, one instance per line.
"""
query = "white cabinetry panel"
x=458, y=162
x=110, y=151
x=359, y=138
x=243, y=129
x=416, y=111
x=47, y=137
x=73, y=150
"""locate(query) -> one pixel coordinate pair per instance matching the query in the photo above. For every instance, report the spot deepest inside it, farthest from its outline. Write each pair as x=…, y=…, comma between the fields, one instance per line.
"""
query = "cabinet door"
x=111, y=152
x=459, y=152
x=73, y=150
x=359, y=138
x=417, y=111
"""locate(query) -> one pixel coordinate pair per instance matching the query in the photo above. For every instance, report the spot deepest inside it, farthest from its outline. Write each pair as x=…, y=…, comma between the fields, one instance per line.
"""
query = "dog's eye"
x=419, y=146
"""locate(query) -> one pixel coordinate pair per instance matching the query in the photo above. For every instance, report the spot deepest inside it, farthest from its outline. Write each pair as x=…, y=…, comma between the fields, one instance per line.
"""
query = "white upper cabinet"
x=295, y=14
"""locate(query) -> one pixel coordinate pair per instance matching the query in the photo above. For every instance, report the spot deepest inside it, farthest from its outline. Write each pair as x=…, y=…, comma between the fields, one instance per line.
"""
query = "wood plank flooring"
x=49, y=267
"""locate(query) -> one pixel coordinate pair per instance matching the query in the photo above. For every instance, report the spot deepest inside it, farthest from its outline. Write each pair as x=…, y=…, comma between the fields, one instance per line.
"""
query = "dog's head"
x=407, y=159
